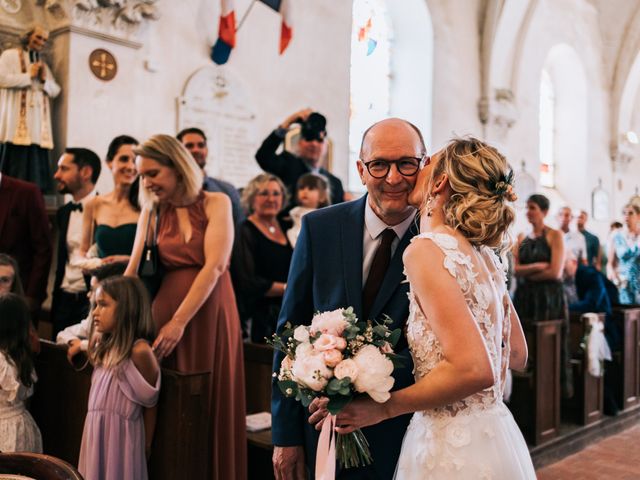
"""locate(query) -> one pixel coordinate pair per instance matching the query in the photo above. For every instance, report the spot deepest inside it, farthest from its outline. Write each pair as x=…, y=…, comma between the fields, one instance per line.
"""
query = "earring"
x=428, y=206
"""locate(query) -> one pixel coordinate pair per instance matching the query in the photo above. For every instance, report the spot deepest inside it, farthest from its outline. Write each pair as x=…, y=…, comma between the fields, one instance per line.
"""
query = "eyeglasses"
x=407, y=166
x=267, y=193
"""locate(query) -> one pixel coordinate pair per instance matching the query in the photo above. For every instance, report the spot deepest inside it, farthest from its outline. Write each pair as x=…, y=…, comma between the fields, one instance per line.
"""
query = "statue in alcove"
x=26, y=86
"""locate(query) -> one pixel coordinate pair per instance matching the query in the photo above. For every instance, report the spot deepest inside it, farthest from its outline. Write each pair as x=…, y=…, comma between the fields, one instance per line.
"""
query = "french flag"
x=226, y=33
x=286, y=28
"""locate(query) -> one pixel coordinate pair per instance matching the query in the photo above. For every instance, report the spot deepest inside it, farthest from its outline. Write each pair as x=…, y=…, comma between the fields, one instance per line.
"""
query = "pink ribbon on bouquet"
x=326, y=452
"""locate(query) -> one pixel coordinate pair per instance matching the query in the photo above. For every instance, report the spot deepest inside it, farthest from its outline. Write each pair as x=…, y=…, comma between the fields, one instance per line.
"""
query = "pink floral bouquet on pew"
x=338, y=357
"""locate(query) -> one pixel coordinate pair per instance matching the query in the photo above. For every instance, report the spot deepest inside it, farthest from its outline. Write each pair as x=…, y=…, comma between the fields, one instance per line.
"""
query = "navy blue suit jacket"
x=325, y=274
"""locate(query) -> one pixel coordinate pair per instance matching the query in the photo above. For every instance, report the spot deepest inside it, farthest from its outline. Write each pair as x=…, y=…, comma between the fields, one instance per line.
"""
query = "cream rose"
x=332, y=357
x=374, y=375
x=325, y=342
x=329, y=322
x=346, y=368
x=311, y=371
x=301, y=334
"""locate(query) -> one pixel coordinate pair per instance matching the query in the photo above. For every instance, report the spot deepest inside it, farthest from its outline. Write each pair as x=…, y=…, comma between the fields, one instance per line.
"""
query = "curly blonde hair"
x=481, y=184
x=256, y=184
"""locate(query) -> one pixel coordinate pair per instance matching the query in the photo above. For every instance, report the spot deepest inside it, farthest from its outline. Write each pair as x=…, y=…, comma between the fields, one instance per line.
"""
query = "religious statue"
x=26, y=84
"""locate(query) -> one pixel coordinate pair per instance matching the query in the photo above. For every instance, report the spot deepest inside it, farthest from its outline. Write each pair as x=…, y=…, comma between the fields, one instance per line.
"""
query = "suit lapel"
x=6, y=200
x=395, y=273
x=352, y=227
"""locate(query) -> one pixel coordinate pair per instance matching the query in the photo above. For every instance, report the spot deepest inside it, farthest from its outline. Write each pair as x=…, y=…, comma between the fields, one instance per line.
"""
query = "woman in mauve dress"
x=195, y=309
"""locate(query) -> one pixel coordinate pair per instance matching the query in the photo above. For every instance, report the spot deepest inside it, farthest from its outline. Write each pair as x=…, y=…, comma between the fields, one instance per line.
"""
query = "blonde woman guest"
x=623, y=267
x=195, y=308
x=262, y=255
x=111, y=220
x=463, y=331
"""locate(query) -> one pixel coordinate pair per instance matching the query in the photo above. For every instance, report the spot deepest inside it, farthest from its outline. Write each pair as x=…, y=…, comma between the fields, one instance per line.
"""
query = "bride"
x=462, y=329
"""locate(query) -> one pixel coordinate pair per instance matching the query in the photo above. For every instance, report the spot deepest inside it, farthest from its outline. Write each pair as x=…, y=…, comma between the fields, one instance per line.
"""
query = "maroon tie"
x=378, y=270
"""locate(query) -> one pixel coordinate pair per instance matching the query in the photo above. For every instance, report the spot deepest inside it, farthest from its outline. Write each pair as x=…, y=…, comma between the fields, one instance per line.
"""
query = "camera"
x=314, y=128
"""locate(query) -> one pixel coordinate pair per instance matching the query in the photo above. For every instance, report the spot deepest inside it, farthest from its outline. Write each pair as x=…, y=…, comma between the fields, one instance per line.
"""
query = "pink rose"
x=332, y=357
x=310, y=370
x=346, y=368
x=329, y=322
x=341, y=343
x=325, y=342
x=287, y=363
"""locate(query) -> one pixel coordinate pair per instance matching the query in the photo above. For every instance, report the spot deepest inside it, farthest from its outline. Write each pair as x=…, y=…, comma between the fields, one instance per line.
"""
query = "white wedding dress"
x=476, y=437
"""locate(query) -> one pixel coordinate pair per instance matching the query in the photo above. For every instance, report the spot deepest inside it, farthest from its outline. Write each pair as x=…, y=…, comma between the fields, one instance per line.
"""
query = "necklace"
x=271, y=228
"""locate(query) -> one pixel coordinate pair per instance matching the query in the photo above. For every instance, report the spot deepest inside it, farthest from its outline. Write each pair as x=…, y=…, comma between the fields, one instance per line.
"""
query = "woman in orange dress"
x=195, y=308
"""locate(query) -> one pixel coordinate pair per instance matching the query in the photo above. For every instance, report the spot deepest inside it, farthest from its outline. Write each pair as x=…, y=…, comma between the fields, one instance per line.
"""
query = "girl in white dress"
x=18, y=430
x=462, y=329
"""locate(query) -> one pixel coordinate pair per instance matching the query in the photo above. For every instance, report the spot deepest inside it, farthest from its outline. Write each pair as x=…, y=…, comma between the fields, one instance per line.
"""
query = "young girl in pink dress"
x=124, y=386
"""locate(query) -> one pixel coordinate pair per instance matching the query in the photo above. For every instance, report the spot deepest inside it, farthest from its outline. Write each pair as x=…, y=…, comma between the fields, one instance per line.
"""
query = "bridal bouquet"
x=338, y=357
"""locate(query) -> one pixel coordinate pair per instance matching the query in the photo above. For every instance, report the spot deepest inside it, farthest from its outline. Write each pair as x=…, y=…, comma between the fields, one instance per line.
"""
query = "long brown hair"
x=132, y=322
x=14, y=335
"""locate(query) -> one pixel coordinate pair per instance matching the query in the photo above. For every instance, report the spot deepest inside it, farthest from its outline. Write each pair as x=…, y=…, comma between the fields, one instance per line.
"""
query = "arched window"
x=371, y=42
x=547, y=130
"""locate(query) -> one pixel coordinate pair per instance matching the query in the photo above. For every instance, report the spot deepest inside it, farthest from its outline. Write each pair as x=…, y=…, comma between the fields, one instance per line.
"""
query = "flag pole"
x=244, y=17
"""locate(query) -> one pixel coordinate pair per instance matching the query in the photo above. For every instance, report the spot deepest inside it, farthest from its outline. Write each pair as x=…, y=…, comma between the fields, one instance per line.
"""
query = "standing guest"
x=196, y=142
x=262, y=255
x=125, y=384
x=26, y=84
x=539, y=262
x=10, y=283
x=313, y=193
x=18, y=430
x=573, y=241
x=594, y=252
x=26, y=236
x=77, y=174
x=195, y=307
x=110, y=220
x=623, y=267
x=351, y=255
x=311, y=148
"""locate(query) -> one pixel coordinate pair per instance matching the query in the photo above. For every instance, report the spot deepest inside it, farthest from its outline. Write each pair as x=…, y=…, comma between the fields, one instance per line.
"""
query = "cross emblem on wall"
x=103, y=64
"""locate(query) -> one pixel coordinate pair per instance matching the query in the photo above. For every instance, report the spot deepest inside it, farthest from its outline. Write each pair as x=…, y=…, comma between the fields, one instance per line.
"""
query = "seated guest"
x=196, y=142
x=77, y=174
x=77, y=336
x=110, y=220
x=26, y=236
x=17, y=377
x=262, y=255
x=311, y=148
x=312, y=193
x=10, y=283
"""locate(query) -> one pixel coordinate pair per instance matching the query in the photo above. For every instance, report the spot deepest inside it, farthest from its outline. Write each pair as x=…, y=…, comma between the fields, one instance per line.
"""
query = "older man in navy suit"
x=351, y=255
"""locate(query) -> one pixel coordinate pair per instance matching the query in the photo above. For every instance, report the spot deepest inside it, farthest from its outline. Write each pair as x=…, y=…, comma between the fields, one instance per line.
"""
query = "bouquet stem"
x=352, y=450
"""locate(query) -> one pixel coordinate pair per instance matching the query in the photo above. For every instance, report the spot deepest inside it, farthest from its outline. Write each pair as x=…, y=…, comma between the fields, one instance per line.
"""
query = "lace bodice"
x=482, y=281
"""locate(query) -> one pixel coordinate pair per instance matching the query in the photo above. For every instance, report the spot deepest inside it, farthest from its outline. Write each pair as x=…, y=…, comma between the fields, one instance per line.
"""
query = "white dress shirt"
x=373, y=228
x=73, y=281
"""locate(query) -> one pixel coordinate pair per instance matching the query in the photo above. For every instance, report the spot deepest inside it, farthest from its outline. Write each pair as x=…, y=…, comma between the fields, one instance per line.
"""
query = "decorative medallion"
x=103, y=64
x=11, y=6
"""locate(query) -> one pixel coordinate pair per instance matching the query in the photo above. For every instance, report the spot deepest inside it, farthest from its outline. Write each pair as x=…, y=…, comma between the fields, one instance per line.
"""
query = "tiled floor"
x=616, y=458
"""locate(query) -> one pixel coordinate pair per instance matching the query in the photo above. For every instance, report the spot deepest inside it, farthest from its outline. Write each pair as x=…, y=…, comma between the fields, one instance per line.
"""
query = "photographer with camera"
x=311, y=148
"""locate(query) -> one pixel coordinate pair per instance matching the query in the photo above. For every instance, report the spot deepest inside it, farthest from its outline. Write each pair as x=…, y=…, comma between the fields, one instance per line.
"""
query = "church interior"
x=554, y=85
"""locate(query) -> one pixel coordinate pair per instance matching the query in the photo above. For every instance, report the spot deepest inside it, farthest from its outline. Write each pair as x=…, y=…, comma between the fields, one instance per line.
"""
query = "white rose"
x=329, y=322
x=374, y=373
x=346, y=368
x=310, y=370
x=325, y=342
x=301, y=334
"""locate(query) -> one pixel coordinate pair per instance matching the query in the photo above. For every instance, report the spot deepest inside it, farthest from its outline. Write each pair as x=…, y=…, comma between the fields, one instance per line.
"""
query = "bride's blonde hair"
x=482, y=184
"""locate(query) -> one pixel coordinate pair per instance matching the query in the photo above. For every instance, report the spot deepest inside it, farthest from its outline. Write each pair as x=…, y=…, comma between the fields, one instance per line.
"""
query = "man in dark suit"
x=311, y=147
x=351, y=255
x=77, y=173
x=195, y=141
x=26, y=236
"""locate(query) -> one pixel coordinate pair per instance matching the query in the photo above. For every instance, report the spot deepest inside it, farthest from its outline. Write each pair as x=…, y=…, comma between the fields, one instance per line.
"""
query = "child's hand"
x=73, y=350
x=168, y=338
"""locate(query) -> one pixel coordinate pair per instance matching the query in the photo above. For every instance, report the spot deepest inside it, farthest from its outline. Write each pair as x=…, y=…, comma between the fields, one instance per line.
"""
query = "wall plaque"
x=103, y=64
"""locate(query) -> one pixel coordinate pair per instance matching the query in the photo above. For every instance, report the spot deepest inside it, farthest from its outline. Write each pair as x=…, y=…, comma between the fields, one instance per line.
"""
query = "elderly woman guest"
x=195, y=308
x=539, y=262
x=623, y=266
x=110, y=220
x=262, y=255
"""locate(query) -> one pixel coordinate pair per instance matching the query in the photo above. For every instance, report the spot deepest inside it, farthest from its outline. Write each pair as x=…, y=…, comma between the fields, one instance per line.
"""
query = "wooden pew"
x=535, y=400
x=258, y=361
x=587, y=404
x=628, y=360
x=59, y=407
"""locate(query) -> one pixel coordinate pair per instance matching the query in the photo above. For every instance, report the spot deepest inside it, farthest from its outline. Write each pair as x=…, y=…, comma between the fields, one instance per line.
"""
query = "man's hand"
x=73, y=350
x=302, y=115
x=288, y=463
x=34, y=70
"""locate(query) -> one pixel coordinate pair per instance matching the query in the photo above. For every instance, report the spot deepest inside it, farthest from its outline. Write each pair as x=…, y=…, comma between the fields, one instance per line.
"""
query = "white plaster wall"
x=313, y=72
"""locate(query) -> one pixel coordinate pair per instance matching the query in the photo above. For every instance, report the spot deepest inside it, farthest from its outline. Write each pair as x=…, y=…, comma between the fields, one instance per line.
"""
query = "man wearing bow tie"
x=77, y=174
